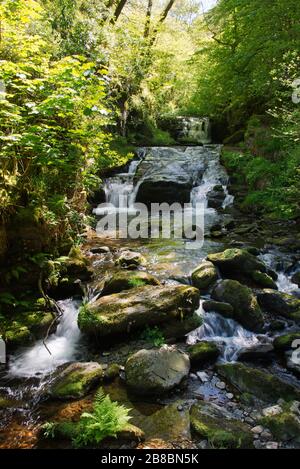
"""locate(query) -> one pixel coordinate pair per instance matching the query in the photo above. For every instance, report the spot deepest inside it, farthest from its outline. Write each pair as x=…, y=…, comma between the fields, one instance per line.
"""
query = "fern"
x=107, y=419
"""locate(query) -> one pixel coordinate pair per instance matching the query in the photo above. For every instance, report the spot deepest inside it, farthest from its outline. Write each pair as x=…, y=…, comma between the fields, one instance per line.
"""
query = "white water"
x=63, y=345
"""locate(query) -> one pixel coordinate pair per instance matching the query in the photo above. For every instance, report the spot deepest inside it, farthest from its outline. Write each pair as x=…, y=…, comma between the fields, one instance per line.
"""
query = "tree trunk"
x=148, y=19
x=161, y=20
x=118, y=11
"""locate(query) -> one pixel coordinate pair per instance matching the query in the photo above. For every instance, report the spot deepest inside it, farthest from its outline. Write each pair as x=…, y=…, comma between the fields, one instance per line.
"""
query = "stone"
x=125, y=280
x=204, y=276
x=296, y=278
x=216, y=425
x=203, y=376
x=280, y=304
x=130, y=260
x=216, y=197
x=272, y=445
x=263, y=280
x=225, y=309
x=261, y=350
x=257, y=430
x=284, y=342
x=100, y=250
x=274, y=410
x=121, y=313
x=237, y=261
x=221, y=385
x=229, y=396
x=284, y=426
x=75, y=381
x=246, y=310
x=156, y=371
x=203, y=352
x=264, y=386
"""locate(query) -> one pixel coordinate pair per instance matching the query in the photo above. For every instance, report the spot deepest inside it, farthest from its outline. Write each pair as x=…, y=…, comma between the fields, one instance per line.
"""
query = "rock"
x=272, y=445
x=130, y=260
x=264, y=386
x=221, y=385
x=125, y=280
x=293, y=360
x=296, y=278
x=257, y=430
x=260, y=350
x=203, y=352
x=204, y=377
x=122, y=313
x=270, y=411
x=177, y=329
x=246, y=310
x=284, y=426
x=216, y=425
x=75, y=381
x=112, y=372
x=216, y=197
x=284, y=342
x=204, y=276
x=229, y=395
x=225, y=309
x=100, y=250
x=263, y=280
x=152, y=372
x=237, y=261
x=281, y=304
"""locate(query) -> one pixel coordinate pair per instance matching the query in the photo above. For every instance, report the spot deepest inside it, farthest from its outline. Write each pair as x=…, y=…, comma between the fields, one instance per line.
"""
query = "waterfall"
x=194, y=130
x=63, y=345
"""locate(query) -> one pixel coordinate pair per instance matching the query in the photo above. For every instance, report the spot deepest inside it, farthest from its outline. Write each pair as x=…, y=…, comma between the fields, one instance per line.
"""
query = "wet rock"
x=130, y=260
x=261, y=351
x=100, y=250
x=281, y=304
x=122, y=313
x=257, y=430
x=263, y=280
x=216, y=425
x=221, y=385
x=284, y=426
x=152, y=372
x=236, y=261
x=216, y=197
x=265, y=386
x=112, y=372
x=124, y=280
x=203, y=376
x=204, y=276
x=177, y=329
x=246, y=310
x=225, y=309
x=296, y=278
x=203, y=352
x=284, y=342
x=75, y=381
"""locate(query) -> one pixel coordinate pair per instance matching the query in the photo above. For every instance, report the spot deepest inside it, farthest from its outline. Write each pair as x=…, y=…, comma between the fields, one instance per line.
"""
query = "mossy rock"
x=204, y=276
x=125, y=280
x=118, y=314
x=112, y=372
x=203, y=352
x=296, y=278
x=225, y=309
x=213, y=423
x=75, y=381
x=236, y=261
x=264, y=386
x=284, y=342
x=284, y=426
x=263, y=280
x=280, y=304
x=130, y=260
x=156, y=371
x=246, y=310
x=179, y=328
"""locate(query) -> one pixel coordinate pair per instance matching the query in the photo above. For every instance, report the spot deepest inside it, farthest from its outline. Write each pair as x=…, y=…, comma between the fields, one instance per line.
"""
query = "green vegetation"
x=154, y=336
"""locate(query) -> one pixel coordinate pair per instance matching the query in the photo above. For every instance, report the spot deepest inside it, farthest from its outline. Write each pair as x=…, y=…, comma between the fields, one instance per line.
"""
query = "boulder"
x=284, y=342
x=263, y=280
x=204, y=276
x=130, y=260
x=124, y=280
x=177, y=329
x=216, y=425
x=262, y=351
x=203, y=352
x=75, y=381
x=237, y=261
x=225, y=309
x=280, y=304
x=246, y=310
x=284, y=426
x=134, y=309
x=153, y=372
x=216, y=197
x=264, y=386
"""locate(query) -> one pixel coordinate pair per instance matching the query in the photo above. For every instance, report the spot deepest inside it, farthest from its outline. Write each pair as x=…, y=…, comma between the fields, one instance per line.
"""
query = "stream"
x=30, y=369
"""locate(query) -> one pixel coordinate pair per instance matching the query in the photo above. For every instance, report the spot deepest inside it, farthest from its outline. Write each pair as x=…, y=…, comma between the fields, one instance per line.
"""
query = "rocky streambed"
x=199, y=344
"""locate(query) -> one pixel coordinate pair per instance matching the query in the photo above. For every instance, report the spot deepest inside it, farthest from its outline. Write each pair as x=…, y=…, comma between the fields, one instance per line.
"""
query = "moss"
x=127, y=280
x=265, y=386
x=76, y=381
x=112, y=372
x=284, y=426
x=263, y=280
x=204, y=275
x=25, y=327
x=284, y=342
x=203, y=352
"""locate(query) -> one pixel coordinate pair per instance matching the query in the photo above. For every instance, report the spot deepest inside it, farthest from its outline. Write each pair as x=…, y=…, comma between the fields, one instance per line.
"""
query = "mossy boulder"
x=246, y=310
x=284, y=342
x=221, y=430
x=203, y=352
x=156, y=371
x=125, y=280
x=204, y=276
x=264, y=386
x=75, y=381
x=225, y=309
x=177, y=328
x=121, y=313
x=236, y=261
x=263, y=280
x=130, y=260
x=284, y=426
x=296, y=278
x=280, y=304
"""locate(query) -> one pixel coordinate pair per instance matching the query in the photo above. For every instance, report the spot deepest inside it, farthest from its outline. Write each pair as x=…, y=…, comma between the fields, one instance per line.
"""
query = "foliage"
x=154, y=336
x=107, y=419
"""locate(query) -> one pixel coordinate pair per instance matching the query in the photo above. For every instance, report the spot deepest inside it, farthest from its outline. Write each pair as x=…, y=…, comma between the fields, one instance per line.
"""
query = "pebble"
x=229, y=395
x=257, y=430
x=272, y=445
x=221, y=385
x=193, y=376
x=203, y=376
x=270, y=411
x=249, y=420
x=295, y=407
x=266, y=435
x=180, y=408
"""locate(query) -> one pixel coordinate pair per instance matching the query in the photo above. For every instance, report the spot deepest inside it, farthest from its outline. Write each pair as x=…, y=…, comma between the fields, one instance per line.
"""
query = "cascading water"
x=63, y=345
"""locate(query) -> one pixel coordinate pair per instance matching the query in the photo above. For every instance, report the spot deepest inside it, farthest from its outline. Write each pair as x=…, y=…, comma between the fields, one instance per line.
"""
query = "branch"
x=118, y=11
x=161, y=20
x=148, y=19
